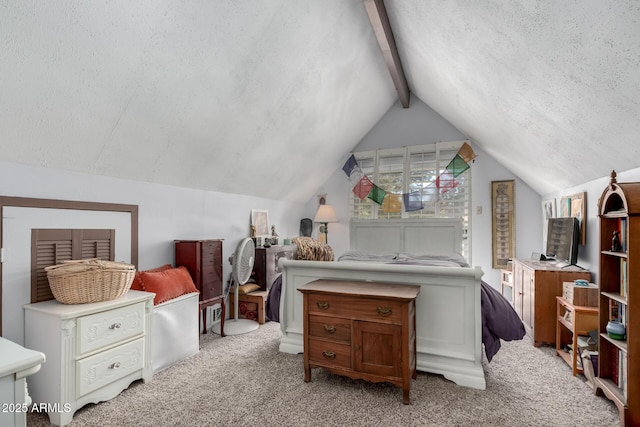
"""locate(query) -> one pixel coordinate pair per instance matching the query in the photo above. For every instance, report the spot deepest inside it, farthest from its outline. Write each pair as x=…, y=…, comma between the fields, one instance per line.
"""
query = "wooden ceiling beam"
x=382, y=29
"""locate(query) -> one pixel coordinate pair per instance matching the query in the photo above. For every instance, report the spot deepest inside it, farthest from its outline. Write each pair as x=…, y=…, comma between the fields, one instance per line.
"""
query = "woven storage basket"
x=89, y=280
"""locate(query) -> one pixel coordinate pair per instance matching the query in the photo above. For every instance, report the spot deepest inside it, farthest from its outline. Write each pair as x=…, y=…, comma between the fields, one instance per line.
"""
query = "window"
x=414, y=171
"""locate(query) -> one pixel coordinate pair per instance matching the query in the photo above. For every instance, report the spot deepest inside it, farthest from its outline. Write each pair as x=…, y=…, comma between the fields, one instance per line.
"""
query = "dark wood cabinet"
x=362, y=330
x=265, y=265
x=203, y=260
x=536, y=284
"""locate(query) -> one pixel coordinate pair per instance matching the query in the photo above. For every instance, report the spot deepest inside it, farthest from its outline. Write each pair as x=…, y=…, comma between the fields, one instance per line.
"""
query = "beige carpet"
x=244, y=380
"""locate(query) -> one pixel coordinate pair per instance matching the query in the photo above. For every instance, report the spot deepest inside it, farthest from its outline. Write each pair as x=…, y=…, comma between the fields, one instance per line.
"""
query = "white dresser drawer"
x=94, y=351
x=103, y=368
x=109, y=327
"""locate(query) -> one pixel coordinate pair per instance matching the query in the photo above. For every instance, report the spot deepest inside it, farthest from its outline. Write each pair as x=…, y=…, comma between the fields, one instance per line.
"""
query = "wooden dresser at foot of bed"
x=362, y=330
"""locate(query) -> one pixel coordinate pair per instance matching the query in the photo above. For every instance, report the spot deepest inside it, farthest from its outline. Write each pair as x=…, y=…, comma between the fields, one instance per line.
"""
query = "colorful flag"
x=446, y=181
x=377, y=194
x=363, y=187
x=412, y=201
x=457, y=166
x=466, y=153
x=392, y=203
x=349, y=165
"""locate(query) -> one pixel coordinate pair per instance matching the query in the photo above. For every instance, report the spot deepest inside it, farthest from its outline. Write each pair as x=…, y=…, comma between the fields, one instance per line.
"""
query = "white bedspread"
x=447, y=260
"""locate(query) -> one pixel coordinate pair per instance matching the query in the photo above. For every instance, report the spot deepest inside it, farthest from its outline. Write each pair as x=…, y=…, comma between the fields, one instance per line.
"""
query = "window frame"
x=437, y=149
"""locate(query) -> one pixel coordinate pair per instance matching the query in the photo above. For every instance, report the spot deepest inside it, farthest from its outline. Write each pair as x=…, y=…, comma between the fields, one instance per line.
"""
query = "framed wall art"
x=548, y=211
x=503, y=222
x=579, y=210
x=576, y=206
x=259, y=223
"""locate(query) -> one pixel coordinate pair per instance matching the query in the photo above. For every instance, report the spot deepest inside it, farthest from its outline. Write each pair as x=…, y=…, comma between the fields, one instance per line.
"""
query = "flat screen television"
x=562, y=240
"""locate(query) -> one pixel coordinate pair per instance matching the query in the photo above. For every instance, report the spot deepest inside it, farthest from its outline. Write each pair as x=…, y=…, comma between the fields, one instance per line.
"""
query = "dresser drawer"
x=212, y=249
x=356, y=308
x=98, y=370
x=333, y=328
x=329, y=353
x=109, y=327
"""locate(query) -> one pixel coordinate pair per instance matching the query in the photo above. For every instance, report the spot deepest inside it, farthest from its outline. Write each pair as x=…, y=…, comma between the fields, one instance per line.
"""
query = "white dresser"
x=94, y=351
x=16, y=363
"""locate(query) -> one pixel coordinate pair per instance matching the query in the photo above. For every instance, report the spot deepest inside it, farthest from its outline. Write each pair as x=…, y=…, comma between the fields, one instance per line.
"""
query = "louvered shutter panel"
x=98, y=244
x=54, y=246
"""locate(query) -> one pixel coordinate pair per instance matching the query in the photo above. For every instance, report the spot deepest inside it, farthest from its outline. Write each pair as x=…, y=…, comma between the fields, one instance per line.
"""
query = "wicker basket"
x=89, y=280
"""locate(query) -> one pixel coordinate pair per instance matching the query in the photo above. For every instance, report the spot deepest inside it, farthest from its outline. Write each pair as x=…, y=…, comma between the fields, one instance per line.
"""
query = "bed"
x=450, y=325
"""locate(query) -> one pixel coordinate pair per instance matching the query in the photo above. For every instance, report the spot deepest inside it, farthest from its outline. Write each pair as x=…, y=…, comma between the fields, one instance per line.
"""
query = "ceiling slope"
x=267, y=97
x=258, y=97
x=550, y=89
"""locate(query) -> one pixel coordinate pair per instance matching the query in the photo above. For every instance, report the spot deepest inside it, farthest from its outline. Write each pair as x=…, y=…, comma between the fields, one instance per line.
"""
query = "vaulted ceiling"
x=267, y=97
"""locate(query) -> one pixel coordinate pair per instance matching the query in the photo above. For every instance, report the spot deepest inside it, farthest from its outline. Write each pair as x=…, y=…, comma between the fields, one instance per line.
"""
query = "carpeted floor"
x=244, y=380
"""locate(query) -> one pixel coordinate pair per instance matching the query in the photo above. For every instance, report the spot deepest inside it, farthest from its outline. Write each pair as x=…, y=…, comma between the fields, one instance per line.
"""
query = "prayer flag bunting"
x=412, y=201
x=430, y=193
x=457, y=166
x=392, y=203
x=363, y=187
x=377, y=194
x=349, y=165
x=356, y=176
x=466, y=153
x=446, y=181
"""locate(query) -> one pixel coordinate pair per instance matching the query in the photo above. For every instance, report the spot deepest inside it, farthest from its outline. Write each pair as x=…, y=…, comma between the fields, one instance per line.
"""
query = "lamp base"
x=322, y=232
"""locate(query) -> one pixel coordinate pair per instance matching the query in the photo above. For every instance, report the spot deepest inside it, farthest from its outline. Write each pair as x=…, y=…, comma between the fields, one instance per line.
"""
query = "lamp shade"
x=325, y=214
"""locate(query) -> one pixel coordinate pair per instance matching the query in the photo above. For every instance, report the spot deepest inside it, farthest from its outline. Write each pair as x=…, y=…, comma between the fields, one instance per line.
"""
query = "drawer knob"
x=322, y=305
x=384, y=311
x=115, y=326
x=114, y=365
x=330, y=329
x=329, y=354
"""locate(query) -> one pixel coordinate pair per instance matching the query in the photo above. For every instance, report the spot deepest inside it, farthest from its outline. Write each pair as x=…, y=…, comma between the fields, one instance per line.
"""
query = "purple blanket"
x=499, y=319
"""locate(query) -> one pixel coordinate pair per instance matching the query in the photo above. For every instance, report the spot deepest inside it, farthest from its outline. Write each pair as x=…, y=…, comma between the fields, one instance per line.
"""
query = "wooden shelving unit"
x=573, y=320
x=506, y=280
x=619, y=360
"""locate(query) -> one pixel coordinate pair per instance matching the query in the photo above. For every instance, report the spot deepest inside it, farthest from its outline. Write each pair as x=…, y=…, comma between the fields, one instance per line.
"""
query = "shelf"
x=621, y=344
x=506, y=279
x=565, y=323
x=568, y=358
x=583, y=320
x=612, y=391
x=615, y=296
x=615, y=214
x=619, y=360
x=615, y=254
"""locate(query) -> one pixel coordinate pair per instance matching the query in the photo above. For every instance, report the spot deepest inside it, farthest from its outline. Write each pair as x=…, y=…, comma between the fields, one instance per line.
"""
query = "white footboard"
x=175, y=331
x=448, y=309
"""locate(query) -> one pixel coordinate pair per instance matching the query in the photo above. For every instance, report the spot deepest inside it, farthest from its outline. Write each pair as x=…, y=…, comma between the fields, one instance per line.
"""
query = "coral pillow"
x=168, y=284
x=137, y=284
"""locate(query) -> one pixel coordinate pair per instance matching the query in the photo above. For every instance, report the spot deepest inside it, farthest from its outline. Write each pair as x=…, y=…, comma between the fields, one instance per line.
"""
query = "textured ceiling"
x=267, y=97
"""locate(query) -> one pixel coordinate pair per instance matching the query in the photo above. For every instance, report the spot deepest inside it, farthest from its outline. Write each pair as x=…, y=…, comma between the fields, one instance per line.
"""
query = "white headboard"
x=439, y=236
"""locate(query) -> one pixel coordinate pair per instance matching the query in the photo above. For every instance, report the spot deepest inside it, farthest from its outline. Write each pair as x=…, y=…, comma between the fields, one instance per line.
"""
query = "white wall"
x=588, y=254
x=418, y=125
x=165, y=213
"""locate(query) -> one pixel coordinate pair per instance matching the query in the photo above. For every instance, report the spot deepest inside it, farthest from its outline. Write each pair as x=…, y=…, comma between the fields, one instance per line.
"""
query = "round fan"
x=241, y=267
